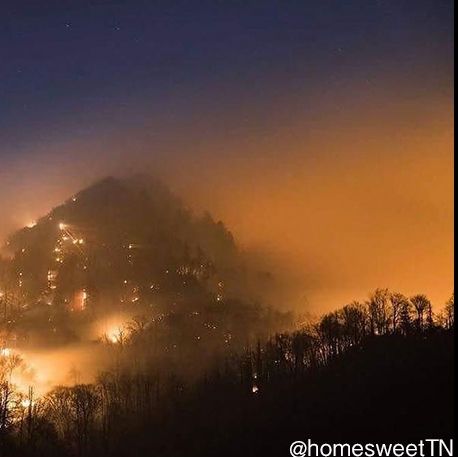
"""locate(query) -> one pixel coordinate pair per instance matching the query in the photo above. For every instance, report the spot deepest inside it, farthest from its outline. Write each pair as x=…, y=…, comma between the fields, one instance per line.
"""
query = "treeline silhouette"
x=382, y=369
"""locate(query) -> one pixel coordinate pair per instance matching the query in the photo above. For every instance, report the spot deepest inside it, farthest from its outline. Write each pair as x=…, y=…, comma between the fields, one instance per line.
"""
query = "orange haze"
x=359, y=197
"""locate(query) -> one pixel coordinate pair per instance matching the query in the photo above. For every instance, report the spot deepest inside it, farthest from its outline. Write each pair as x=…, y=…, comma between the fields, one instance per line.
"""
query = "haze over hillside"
x=128, y=247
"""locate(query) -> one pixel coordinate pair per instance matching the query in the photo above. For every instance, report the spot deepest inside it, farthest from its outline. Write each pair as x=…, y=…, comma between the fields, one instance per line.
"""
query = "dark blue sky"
x=69, y=68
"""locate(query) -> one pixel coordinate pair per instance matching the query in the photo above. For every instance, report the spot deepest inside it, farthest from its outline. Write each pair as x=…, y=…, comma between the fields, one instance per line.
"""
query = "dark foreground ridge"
x=198, y=368
x=340, y=380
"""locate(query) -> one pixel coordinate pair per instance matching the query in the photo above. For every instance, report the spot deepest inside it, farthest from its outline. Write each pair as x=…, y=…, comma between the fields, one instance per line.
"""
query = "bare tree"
x=378, y=312
x=354, y=321
x=423, y=311
x=450, y=312
x=399, y=305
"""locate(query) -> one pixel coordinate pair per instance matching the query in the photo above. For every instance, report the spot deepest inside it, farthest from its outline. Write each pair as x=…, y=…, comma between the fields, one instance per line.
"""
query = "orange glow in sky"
x=357, y=198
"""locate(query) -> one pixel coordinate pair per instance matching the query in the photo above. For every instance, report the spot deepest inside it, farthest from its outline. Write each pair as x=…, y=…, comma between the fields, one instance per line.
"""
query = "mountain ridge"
x=125, y=245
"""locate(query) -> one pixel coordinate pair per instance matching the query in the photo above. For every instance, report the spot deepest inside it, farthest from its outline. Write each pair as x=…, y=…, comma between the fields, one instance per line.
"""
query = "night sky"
x=283, y=118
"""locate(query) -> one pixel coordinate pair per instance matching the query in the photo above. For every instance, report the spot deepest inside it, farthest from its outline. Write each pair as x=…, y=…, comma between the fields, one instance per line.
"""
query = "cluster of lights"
x=80, y=299
x=210, y=326
x=134, y=293
x=66, y=238
x=52, y=275
x=115, y=334
x=67, y=235
x=79, y=302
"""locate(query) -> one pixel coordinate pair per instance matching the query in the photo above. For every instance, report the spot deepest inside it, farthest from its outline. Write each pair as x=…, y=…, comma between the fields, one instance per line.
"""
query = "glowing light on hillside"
x=6, y=352
x=62, y=226
x=115, y=335
x=79, y=301
x=26, y=403
x=31, y=224
x=113, y=330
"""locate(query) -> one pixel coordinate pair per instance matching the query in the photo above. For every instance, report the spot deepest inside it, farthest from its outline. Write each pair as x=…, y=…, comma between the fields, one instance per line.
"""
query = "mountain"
x=120, y=244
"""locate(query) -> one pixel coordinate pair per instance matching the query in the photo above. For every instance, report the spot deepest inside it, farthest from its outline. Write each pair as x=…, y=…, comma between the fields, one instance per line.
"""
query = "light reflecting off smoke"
x=45, y=369
x=113, y=328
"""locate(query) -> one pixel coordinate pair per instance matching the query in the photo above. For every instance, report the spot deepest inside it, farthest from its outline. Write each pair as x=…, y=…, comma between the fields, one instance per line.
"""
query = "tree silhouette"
x=423, y=309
